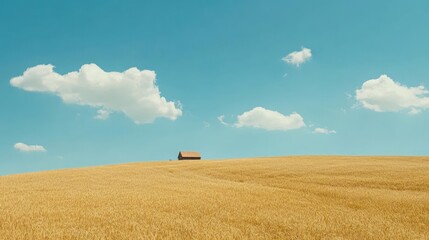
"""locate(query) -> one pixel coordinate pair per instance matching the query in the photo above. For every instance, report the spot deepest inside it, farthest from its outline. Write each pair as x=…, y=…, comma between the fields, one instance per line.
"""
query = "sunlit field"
x=260, y=198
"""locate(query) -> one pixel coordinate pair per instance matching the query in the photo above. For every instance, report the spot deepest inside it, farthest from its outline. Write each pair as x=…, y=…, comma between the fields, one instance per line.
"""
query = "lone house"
x=189, y=156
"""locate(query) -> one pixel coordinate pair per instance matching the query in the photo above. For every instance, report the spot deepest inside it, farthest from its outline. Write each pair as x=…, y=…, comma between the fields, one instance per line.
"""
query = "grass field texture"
x=261, y=198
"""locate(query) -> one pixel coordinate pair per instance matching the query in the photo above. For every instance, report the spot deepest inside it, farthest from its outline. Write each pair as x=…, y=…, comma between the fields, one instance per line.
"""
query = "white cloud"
x=29, y=148
x=324, y=131
x=222, y=121
x=349, y=96
x=298, y=57
x=132, y=92
x=260, y=117
x=414, y=111
x=385, y=95
x=102, y=114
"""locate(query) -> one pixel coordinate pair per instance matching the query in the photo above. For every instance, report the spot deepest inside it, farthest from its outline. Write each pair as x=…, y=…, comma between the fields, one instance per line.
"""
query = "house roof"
x=190, y=154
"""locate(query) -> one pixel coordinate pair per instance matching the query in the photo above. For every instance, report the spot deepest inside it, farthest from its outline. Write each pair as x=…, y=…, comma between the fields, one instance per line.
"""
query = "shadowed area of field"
x=261, y=198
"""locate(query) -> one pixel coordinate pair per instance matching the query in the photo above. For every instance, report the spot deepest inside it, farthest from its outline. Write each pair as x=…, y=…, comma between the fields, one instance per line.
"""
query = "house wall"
x=189, y=158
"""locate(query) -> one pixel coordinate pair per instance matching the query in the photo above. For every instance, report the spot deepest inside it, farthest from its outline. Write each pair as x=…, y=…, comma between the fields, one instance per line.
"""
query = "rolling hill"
x=305, y=197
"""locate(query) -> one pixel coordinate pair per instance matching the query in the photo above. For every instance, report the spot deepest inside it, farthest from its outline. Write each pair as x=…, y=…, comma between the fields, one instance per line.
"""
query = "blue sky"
x=212, y=59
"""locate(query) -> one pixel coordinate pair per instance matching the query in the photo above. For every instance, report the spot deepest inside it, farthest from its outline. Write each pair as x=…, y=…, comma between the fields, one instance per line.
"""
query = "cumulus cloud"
x=132, y=92
x=385, y=95
x=102, y=114
x=324, y=131
x=298, y=57
x=29, y=148
x=260, y=117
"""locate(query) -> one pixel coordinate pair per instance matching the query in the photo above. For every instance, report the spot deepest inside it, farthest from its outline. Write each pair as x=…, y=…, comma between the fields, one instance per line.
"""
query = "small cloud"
x=29, y=148
x=222, y=121
x=260, y=117
x=102, y=114
x=324, y=131
x=206, y=124
x=385, y=95
x=349, y=96
x=414, y=111
x=355, y=106
x=298, y=57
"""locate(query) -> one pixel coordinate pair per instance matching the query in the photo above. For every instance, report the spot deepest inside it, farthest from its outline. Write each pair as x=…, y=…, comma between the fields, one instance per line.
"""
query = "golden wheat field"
x=261, y=198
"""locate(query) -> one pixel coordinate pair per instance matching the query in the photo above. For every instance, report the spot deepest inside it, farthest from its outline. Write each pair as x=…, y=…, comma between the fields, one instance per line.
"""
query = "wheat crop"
x=328, y=197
